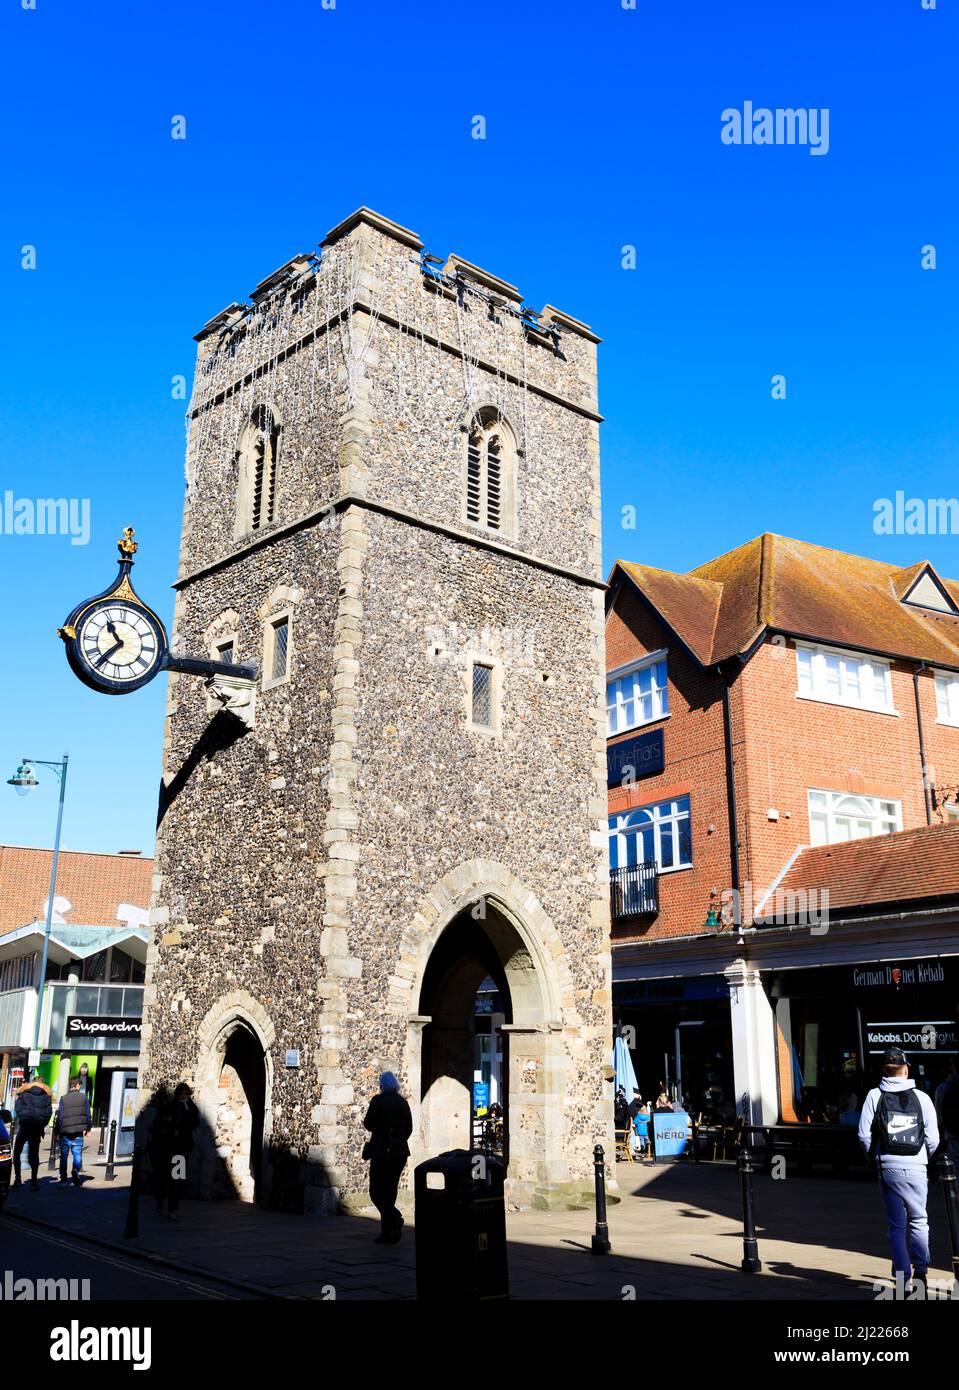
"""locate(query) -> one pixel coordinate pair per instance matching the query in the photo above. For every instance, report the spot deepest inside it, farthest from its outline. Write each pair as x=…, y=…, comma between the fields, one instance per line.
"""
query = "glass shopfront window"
x=833, y=1024
x=679, y=1034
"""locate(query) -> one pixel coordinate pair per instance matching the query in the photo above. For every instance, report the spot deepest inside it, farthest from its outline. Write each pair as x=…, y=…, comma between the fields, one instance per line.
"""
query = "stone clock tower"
x=392, y=508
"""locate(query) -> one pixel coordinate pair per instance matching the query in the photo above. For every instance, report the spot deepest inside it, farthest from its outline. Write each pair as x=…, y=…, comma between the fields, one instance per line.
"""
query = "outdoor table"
x=833, y=1143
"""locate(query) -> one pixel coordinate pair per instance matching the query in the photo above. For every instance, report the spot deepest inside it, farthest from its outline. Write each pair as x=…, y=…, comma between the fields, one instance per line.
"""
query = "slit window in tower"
x=482, y=714
x=256, y=475
x=490, y=473
x=494, y=484
x=281, y=642
x=264, y=478
x=474, y=478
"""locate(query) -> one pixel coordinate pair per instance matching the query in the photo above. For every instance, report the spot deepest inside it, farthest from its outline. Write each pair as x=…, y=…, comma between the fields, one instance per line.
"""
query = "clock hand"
x=110, y=652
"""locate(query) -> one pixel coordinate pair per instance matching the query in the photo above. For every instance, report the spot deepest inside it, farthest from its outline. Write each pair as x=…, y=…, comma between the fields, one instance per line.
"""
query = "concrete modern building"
x=783, y=777
x=92, y=997
x=393, y=507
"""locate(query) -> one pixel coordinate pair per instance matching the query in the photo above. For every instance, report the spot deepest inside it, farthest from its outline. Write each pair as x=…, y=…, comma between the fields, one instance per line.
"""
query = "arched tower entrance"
x=493, y=938
x=469, y=954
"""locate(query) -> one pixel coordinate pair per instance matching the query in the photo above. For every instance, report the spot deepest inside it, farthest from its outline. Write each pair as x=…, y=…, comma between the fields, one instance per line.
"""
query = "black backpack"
x=898, y=1127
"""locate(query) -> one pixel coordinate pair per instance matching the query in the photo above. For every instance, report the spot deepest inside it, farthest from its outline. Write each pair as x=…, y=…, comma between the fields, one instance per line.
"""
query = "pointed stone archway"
x=234, y=1085
x=481, y=920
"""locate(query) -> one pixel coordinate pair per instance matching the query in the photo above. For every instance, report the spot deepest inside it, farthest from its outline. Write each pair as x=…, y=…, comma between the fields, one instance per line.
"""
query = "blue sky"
x=603, y=131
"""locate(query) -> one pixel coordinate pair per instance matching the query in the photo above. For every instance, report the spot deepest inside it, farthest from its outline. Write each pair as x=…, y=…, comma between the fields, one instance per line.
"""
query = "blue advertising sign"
x=480, y=1096
x=670, y=1130
x=636, y=757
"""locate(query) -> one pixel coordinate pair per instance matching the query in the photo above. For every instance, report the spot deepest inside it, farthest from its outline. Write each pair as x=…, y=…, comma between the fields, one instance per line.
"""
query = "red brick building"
x=776, y=700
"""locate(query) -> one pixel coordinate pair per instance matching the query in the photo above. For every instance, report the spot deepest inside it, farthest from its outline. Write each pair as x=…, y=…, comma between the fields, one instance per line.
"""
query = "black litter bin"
x=460, y=1227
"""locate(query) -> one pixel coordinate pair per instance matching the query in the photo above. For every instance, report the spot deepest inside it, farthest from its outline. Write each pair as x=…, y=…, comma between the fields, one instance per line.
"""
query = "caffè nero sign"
x=921, y=972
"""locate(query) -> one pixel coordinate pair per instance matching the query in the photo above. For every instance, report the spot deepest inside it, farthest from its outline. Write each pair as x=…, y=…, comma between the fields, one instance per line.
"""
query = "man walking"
x=898, y=1130
x=74, y=1122
x=33, y=1108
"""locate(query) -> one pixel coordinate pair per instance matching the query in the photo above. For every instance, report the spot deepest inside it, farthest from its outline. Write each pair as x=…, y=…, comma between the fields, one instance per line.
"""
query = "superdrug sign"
x=88, y=1026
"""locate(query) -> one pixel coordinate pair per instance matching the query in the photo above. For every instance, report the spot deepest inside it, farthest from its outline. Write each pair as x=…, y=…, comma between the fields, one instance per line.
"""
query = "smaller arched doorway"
x=239, y=1105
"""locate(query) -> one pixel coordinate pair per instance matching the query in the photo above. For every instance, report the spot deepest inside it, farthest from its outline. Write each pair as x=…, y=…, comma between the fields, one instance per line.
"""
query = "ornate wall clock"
x=115, y=642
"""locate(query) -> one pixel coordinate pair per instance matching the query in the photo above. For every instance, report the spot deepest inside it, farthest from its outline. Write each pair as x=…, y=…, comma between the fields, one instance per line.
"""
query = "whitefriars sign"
x=88, y=1026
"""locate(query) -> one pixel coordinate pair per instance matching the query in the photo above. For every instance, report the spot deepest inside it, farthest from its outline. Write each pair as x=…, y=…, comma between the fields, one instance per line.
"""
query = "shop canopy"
x=69, y=942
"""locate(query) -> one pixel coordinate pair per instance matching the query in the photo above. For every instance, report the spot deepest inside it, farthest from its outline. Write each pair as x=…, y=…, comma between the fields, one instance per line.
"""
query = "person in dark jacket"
x=33, y=1108
x=390, y=1124
x=171, y=1143
x=74, y=1121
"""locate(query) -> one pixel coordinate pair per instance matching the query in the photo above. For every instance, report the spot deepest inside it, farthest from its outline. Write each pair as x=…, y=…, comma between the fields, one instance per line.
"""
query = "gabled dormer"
x=920, y=587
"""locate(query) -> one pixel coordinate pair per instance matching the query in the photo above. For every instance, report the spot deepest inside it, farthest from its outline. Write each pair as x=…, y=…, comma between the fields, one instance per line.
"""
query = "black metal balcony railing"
x=634, y=890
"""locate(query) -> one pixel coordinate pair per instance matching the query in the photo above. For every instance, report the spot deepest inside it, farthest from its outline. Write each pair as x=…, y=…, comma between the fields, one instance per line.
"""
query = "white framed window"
x=951, y=811
x=947, y=697
x=838, y=816
x=844, y=678
x=224, y=649
x=490, y=493
x=637, y=694
x=660, y=834
x=277, y=649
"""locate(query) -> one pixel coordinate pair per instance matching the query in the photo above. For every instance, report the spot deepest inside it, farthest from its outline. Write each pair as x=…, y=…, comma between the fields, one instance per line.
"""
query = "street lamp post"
x=24, y=779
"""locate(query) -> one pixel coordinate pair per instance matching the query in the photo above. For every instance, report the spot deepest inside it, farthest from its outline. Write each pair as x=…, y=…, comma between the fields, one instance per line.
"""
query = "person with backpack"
x=898, y=1130
x=947, y=1110
x=74, y=1121
x=33, y=1108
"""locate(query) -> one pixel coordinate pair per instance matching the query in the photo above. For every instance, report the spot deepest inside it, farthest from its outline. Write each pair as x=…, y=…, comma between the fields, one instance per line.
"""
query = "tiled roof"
x=906, y=866
x=94, y=884
x=790, y=586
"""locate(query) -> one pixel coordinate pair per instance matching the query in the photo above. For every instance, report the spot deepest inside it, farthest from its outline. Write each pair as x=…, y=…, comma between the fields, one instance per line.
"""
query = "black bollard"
x=101, y=1147
x=54, y=1135
x=600, y=1244
x=751, y=1262
x=109, y=1175
x=132, y=1228
x=947, y=1176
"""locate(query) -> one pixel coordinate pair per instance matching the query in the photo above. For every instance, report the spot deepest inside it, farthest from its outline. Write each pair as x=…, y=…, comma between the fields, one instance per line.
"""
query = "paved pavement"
x=84, y=1271
x=676, y=1234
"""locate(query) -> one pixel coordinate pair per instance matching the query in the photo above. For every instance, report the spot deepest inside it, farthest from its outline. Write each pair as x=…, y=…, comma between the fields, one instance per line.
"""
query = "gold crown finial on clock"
x=126, y=545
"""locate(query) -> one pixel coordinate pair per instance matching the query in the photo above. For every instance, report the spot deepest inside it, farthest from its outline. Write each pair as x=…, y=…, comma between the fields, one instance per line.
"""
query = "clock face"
x=118, y=645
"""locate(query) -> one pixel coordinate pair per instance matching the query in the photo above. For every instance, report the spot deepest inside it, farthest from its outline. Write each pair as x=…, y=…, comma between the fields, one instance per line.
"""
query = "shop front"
x=679, y=1034
x=832, y=1024
x=91, y=1013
